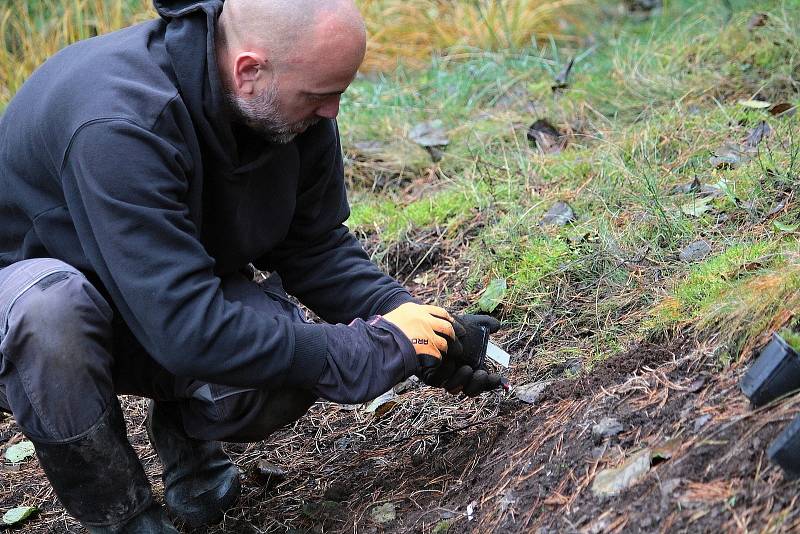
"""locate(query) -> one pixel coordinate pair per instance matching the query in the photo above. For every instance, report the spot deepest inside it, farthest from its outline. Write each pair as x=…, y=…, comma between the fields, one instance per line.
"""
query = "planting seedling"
x=784, y=450
x=775, y=373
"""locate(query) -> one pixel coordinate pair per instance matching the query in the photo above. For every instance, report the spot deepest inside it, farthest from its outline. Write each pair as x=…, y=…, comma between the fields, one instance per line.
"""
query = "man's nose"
x=330, y=108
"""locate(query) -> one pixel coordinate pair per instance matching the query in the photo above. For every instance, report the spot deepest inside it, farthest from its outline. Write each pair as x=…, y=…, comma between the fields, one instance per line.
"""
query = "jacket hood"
x=189, y=39
x=176, y=8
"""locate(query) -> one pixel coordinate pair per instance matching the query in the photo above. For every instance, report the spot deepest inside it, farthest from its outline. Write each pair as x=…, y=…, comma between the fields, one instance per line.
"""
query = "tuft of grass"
x=412, y=31
x=792, y=338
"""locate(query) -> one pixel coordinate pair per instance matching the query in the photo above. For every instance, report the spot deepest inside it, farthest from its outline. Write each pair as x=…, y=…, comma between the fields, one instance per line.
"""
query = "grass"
x=645, y=111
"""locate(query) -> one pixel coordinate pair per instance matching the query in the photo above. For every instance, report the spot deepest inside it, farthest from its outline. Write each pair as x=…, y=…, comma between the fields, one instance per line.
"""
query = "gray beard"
x=261, y=114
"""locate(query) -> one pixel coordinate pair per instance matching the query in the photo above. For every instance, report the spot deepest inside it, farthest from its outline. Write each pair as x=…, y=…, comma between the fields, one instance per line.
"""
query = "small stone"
x=343, y=443
x=266, y=473
x=610, y=482
x=695, y=251
x=700, y=422
x=696, y=385
x=407, y=385
x=384, y=513
x=508, y=499
x=530, y=393
x=606, y=428
x=429, y=134
x=560, y=214
x=669, y=486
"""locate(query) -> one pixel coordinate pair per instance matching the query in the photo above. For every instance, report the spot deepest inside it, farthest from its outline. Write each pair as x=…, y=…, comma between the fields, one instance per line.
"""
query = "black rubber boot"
x=100, y=481
x=200, y=481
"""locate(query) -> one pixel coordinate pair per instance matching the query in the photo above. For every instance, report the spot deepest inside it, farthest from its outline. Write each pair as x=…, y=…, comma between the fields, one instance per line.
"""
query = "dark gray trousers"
x=64, y=355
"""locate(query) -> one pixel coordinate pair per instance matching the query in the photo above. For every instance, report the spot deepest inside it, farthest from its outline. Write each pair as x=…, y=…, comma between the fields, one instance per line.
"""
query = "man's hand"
x=428, y=327
x=464, y=367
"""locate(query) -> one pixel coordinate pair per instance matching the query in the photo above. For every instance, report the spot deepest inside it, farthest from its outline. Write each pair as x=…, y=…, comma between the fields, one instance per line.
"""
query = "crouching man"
x=141, y=173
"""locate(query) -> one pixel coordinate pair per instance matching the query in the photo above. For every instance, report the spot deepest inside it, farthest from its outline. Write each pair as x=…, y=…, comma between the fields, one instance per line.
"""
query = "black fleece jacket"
x=116, y=157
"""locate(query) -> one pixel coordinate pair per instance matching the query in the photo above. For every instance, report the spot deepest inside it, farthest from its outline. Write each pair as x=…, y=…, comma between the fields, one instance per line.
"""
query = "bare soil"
x=496, y=464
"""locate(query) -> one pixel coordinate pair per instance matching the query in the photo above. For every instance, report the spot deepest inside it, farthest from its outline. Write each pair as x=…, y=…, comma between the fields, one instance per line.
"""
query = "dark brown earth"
x=516, y=467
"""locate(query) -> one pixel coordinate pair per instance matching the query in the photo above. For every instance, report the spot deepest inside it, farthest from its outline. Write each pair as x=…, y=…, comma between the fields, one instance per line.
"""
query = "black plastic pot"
x=775, y=373
x=785, y=450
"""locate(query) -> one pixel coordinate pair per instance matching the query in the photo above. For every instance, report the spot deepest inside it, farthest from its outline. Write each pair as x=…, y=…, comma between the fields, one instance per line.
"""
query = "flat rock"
x=530, y=393
x=610, y=482
x=695, y=251
x=607, y=427
x=560, y=214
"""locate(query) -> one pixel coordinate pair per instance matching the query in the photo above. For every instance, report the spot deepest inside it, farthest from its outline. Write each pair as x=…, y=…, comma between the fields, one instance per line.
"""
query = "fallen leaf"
x=696, y=207
x=755, y=104
x=757, y=20
x=788, y=228
x=19, y=452
x=266, y=473
x=383, y=404
x=728, y=156
x=493, y=296
x=758, y=134
x=779, y=109
x=546, y=137
x=429, y=134
x=18, y=514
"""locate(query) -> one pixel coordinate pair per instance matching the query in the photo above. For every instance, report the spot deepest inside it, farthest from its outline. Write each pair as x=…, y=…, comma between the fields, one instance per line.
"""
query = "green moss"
x=710, y=279
x=393, y=219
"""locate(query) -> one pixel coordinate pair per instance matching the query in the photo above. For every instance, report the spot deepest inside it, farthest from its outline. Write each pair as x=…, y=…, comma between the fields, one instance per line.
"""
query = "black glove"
x=463, y=367
x=473, y=332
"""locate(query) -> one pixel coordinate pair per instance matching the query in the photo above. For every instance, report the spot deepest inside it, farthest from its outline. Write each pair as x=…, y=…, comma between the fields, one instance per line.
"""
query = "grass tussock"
x=411, y=31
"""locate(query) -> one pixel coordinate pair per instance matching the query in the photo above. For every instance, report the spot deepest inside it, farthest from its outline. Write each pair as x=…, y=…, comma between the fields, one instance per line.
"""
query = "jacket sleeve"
x=321, y=262
x=125, y=189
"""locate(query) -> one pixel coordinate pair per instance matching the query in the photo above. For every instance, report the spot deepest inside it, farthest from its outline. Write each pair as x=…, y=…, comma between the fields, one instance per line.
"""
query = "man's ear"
x=249, y=69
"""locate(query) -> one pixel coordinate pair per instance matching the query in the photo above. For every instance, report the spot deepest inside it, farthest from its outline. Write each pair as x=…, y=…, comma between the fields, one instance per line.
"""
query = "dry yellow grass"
x=33, y=31
x=410, y=30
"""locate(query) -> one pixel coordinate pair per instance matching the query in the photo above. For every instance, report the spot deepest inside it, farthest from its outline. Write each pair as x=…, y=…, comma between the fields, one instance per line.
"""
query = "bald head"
x=285, y=30
x=284, y=64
